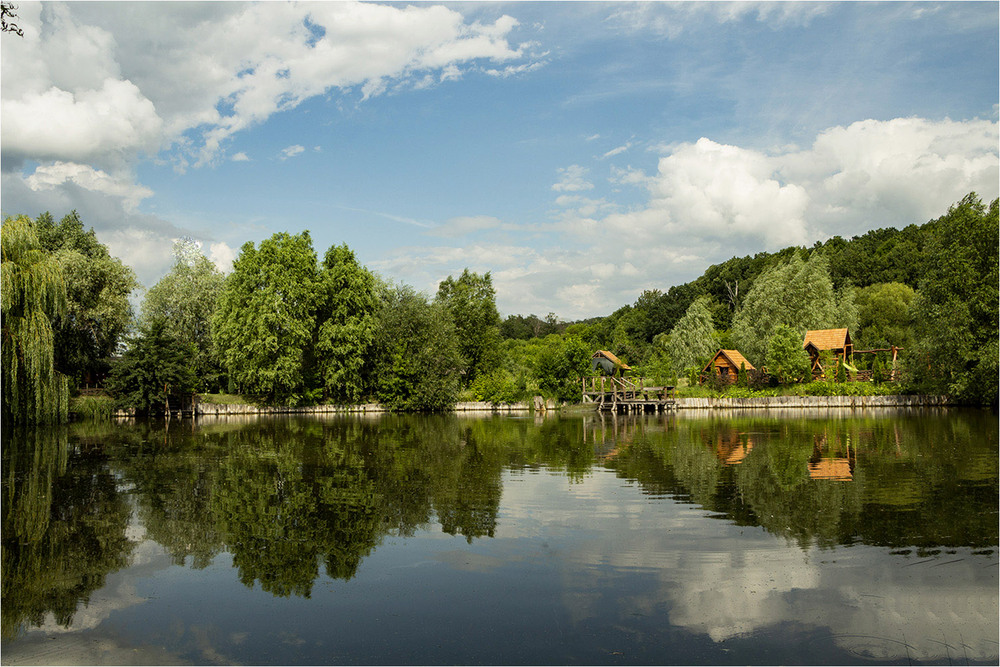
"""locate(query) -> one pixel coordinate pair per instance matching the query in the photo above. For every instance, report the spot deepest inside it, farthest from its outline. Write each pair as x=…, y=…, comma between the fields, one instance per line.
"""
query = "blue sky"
x=580, y=152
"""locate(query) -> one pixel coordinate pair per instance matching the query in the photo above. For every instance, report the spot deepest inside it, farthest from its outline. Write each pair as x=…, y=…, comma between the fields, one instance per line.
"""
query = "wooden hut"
x=608, y=364
x=837, y=341
x=726, y=363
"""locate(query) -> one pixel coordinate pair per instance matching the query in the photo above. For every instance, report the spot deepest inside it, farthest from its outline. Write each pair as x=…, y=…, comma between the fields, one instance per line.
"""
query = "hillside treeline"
x=290, y=327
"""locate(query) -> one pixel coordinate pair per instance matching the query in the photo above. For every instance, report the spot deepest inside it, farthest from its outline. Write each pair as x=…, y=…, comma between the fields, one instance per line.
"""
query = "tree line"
x=285, y=327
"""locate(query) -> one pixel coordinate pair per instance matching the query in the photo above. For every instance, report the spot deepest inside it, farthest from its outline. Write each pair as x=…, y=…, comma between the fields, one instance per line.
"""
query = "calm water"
x=829, y=538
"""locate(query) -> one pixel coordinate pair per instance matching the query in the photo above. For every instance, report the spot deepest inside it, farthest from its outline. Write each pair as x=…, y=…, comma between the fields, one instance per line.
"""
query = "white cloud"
x=49, y=177
x=671, y=19
x=97, y=77
x=708, y=201
x=617, y=151
x=292, y=151
x=572, y=179
x=222, y=256
x=240, y=157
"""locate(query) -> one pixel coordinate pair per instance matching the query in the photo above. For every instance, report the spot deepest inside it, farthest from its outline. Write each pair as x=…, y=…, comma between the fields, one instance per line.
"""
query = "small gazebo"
x=837, y=341
x=608, y=364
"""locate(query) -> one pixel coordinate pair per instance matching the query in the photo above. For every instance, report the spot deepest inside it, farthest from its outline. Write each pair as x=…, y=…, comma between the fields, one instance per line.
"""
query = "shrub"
x=497, y=387
x=92, y=408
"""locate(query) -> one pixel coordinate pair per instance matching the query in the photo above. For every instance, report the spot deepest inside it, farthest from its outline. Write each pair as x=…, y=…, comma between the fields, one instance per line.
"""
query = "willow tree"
x=33, y=294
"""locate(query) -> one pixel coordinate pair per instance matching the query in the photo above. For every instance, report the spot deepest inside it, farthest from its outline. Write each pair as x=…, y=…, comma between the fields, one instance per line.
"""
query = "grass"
x=224, y=399
x=808, y=389
x=91, y=408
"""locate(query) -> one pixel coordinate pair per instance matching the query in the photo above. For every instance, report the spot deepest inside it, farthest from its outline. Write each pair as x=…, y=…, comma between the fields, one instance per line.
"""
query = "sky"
x=579, y=152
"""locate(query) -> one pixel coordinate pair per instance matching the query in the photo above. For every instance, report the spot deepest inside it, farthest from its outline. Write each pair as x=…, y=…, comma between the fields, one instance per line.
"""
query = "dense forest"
x=286, y=327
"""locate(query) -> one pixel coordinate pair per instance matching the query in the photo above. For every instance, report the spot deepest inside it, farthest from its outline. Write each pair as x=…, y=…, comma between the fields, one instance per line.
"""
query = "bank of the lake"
x=712, y=403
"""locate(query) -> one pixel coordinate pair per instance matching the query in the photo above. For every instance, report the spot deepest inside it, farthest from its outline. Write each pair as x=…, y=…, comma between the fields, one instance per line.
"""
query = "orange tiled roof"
x=826, y=339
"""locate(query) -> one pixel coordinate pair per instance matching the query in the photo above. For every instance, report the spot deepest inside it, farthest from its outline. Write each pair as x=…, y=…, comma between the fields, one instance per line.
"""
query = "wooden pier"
x=627, y=395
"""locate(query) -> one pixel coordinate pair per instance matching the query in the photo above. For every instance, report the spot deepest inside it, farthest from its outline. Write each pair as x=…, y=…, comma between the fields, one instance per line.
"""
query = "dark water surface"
x=738, y=538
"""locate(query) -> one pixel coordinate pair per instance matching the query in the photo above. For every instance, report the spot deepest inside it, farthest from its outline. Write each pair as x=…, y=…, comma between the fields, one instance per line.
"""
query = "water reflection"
x=291, y=501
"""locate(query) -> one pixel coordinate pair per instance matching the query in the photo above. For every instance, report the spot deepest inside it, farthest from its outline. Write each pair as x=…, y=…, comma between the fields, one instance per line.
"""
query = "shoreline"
x=683, y=404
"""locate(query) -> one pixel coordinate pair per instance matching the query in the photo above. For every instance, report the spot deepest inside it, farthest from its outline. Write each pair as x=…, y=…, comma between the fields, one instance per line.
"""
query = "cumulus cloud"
x=707, y=201
x=86, y=94
x=222, y=256
x=49, y=177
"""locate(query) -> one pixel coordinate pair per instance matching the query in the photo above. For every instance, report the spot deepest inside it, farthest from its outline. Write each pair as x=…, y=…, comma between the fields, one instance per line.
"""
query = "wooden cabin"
x=608, y=364
x=837, y=341
x=726, y=363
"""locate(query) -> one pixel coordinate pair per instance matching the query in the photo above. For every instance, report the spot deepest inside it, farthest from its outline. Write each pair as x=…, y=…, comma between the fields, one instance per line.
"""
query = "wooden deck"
x=625, y=395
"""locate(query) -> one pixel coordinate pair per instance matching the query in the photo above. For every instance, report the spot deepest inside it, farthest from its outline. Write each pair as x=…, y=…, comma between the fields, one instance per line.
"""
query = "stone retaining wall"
x=782, y=402
x=218, y=410
x=760, y=403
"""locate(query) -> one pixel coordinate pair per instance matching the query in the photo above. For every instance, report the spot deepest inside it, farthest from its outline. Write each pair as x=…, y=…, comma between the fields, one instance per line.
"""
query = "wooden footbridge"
x=626, y=395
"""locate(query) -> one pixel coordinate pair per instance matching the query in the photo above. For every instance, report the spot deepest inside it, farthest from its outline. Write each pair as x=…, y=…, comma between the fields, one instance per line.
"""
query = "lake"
x=824, y=537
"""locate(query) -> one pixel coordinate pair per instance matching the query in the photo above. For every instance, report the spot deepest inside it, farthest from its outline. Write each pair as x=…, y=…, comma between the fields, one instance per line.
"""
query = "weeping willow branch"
x=34, y=293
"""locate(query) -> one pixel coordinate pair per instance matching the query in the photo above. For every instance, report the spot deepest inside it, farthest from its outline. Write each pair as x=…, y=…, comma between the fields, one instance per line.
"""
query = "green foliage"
x=879, y=372
x=560, y=365
x=223, y=399
x=798, y=294
x=532, y=326
x=155, y=366
x=34, y=295
x=885, y=316
x=498, y=387
x=419, y=360
x=786, y=360
x=691, y=342
x=741, y=377
x=956, y=308
x=841, y=372
x=184, y=300
x=98, y=311
x=471, y=301
x=93, y=408
x=348, y=299
x=265, y=318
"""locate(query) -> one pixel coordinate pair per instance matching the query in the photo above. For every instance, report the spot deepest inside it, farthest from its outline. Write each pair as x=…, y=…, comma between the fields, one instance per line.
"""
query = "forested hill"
x=885, y=255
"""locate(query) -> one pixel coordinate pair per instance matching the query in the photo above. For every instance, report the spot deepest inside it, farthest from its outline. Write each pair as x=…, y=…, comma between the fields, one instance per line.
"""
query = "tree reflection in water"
x=64, y=526
x=288, y=498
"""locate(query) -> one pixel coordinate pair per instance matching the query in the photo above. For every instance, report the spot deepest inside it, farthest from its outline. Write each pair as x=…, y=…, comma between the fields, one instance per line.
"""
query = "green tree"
x=98, y=311
x=184, y=300
x=264, y=319
x=560, y=365
x=741, y=377
x=471, y=300
x=691, y=342
x=33, y=295
x=885, y=316
x=155, y=365
x=799, y=294
x=786, y=360
x=419, y=360
x=348, y=298
x=956, y=308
